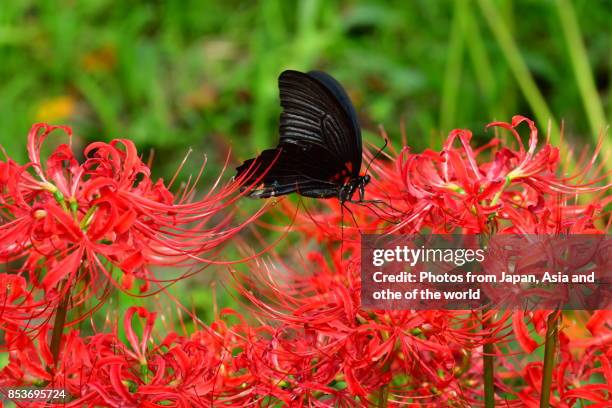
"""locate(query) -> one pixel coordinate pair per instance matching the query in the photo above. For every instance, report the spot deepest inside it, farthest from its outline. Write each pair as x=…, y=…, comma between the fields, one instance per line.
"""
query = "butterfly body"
x=319, y=151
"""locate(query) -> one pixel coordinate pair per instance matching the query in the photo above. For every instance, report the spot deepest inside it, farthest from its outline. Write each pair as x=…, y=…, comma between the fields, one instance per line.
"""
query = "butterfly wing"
x=317, y=111
x=287, y=169
x=320, y=140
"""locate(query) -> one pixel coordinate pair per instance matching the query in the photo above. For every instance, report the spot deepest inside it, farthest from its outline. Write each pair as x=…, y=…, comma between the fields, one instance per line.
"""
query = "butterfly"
x=319, y=151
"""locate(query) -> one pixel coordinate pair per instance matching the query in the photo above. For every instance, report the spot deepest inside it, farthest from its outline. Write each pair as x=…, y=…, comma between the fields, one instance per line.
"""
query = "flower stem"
x=58, y=326
x=383, y=397
x=550, y=347
x=519, y=68
x=452, y=75
x=585, y=82
x=488, y=353
x=383, y=393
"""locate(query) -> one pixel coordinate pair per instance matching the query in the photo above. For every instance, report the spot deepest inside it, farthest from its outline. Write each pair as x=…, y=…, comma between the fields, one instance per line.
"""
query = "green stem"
x=519, y=69
x=454, y=64
x=550, y=348
x=383, y=393
x=383, y=397
x=584, y=77
x=481, y=63
x=488, y=357
x=58, y=326
x=499, y=193
x=86, y=220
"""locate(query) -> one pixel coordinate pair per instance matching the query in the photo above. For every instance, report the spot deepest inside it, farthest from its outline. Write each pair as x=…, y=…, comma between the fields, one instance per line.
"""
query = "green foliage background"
x=172, y=75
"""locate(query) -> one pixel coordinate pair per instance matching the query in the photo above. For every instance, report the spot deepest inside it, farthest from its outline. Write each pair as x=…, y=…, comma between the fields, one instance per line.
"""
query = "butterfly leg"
x=353, y=217
x=361, y=192
x=391, y=217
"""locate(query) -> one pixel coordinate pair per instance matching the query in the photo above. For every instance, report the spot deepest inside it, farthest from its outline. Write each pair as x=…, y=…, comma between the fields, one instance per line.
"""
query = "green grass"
x=203, y=74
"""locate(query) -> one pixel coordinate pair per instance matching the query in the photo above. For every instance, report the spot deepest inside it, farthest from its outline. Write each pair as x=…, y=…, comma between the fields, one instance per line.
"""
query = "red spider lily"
x=314, y=345
x=317, y=318
x=73, y=226
x=599, y=320
x=457, y=188
x=322, y=338
x=575, y=380
x=18, y=307
x=100, y=370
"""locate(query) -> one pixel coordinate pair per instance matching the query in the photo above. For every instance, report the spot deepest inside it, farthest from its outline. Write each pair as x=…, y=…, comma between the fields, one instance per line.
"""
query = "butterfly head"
x=348, y=190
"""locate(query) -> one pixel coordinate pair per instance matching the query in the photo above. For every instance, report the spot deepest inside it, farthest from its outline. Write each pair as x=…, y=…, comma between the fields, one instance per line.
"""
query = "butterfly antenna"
x=377, y=154
x=341, y=230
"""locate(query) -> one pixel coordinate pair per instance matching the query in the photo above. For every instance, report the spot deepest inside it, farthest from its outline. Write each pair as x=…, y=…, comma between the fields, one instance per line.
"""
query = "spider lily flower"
x=424, y=356
x=490, y=188
x=75, y=225
x=101, y=370
x=315, y=310
x=21, y=309
x=86, y=227
x=585, y=379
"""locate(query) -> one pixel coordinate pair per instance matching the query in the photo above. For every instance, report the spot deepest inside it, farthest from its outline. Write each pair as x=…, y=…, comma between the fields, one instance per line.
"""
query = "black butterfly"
x=319, y=152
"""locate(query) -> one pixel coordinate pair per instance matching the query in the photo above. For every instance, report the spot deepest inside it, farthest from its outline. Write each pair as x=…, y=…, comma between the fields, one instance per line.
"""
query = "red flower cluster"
x=490, y=189
x=580, y=376
x=100, y=370
x=19, y=309
x=324, y=340
x=79, y=229
x=309, y=342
